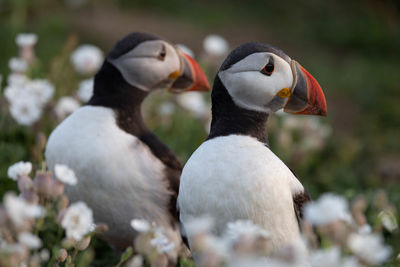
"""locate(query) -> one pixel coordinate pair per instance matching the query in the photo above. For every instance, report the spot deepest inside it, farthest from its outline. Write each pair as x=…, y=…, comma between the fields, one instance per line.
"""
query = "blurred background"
x=351, y=47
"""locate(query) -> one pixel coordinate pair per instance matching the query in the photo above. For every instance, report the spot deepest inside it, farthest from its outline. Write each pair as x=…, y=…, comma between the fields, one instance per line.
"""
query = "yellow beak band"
x=284, y=93
x=174, y=75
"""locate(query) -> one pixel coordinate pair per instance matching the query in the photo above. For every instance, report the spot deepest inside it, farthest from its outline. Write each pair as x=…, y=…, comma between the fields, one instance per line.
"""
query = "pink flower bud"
x=57, y=188
x=24, y=183
x=43, y=184
x=62, y=255
x=30, y=196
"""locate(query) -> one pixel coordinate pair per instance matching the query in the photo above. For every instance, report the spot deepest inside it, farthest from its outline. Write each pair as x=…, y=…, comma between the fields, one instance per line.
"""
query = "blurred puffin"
x=124, y=171
x=234, y=175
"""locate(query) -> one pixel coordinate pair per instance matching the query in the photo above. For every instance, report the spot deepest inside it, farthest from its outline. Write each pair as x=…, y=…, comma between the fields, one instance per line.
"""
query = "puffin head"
x=146, y=62
x=262, y=78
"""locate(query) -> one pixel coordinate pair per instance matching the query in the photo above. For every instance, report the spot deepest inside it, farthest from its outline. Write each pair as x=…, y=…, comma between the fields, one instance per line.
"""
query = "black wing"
x=299, y=200
x=173, y=168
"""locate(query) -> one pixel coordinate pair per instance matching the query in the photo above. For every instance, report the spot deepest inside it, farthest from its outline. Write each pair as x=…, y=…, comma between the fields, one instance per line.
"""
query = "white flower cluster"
x=243, y=243
x=65, y=174
x=215, y=45
x=20, y=210
x=65, y=106
x=87, y=59
x=314, y=133
x=77, y=221
x=27, y=97
x=195, y=103
x=327, y=209
x=85, y=90
x=161, y=242
x=158, y=238
x=19, y=169
x=21, y=217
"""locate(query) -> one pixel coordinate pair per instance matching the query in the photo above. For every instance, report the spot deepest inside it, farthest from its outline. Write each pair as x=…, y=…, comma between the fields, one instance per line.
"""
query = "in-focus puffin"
x=234, y=175
x=124, y=171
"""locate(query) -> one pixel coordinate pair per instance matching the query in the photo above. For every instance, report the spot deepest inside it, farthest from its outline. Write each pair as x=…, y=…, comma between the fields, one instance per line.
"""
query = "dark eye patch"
x=269, y=67
x=163, y=53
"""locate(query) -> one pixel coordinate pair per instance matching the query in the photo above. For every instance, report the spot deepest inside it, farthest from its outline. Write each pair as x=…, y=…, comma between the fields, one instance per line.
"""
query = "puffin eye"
x=162, y=53
x=269, y=68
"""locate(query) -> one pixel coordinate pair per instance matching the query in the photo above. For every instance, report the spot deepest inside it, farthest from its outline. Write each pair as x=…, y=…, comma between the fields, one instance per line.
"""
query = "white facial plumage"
x=149, y=65
x=251, y=89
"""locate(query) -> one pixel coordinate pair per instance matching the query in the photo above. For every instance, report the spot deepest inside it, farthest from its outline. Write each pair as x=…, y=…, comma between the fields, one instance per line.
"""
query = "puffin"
x=124, y=171
x=234, y=175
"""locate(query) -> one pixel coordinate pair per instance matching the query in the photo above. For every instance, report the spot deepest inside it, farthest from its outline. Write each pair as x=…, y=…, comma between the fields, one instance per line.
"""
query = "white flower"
x=26, y=39
x=369, y=247
x=218, y=246
x=44, y=255
x=350, y=262
x=19, y=210
x=17, y=79
x=215, y=45
x=65, y=106
x=327, y=209
x=166, y=109
x=17, y=65
x=186, y=50
x=41, y=89
x=13, y=93
x=10, y=248
x=87, y=59
x=195, y=103
x=243, y=228
x=25, y=110
x=258, y=262
x=364, y=229
x=199, y=225
x=388, y=220
x=139, y=225
x=65, y=174
x=85, y=90
x=77, y=220
x=19, y=169
x=326, y=258
x=161, y=242
x=29, y=240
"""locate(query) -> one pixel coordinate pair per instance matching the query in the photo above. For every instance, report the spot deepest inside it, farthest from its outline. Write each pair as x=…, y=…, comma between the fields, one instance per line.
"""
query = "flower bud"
x=63, y=203
x=56, y=188
x=82, y=245
x=101, y=228
x=43, y=183
x=62, y=255
x=30, y=196
x=24, y=183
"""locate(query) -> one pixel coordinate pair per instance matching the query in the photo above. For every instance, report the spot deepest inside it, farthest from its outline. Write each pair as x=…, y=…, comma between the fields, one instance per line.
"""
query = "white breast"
x=118, y=176
x=237, y=177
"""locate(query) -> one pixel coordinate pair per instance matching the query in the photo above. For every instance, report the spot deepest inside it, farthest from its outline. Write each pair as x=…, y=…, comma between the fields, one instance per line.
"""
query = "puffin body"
x=234, y=175
x=252, y=183
x=124, y=171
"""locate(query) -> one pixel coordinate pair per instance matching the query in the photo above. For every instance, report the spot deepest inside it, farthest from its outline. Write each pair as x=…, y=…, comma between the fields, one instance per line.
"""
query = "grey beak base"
x=184, y=81
x=299, y=99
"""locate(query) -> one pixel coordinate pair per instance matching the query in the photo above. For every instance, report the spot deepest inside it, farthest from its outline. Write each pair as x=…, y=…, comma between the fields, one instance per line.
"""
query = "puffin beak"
x=307, y=96
x=191, y=78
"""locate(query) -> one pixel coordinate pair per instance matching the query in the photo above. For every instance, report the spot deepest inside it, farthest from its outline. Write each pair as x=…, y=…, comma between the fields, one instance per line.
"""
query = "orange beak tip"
x=200, y=79
x=316, y=98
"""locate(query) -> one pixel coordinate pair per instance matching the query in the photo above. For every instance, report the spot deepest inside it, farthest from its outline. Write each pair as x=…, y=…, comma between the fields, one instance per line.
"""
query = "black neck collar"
x=112, y=91
x=228, y=118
